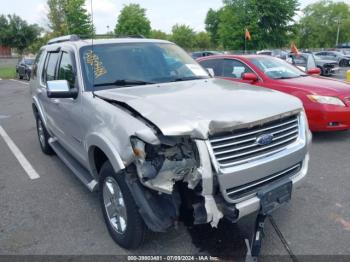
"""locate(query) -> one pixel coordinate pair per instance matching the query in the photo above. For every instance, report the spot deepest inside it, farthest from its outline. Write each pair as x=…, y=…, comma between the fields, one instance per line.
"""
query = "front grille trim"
x=253, y=187
x=234, y=149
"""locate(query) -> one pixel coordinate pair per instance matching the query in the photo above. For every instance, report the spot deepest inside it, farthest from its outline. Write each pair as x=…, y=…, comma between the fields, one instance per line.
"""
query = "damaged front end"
x=169, y=176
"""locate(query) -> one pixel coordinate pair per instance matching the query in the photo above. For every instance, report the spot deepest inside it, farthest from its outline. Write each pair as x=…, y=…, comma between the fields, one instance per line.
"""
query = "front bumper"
x=250, y=177
x=252, y=204
x=329, y=118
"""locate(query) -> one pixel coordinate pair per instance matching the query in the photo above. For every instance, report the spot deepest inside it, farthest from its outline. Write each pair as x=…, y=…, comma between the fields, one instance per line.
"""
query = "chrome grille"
x=253, y=187
x=239, y=146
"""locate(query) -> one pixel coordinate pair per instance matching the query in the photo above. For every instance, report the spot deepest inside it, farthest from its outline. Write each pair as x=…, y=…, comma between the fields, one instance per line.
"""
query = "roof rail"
x=65, y=38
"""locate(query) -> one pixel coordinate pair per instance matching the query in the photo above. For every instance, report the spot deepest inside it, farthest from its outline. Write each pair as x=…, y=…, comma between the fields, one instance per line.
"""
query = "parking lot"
x=56, y=214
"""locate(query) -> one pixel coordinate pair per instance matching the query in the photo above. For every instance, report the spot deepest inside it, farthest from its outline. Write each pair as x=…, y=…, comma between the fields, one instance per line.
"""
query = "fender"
x=40, y=110
x=103, y=143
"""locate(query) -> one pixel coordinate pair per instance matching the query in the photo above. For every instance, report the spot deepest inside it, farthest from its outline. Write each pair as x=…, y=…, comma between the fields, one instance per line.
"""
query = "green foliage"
x=212, y=22
x=77, y=18
x=203, y=40
x=7, y=72
x=158, y=34
x=133, y=21
x=16, y=33
x=69, y=17
x=269, y=22
x=184, y=36
x=318, y=26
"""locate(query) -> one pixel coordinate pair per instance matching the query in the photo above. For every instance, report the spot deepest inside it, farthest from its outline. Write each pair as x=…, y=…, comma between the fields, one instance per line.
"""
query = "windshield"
x=28, y=61
x=276, y=68
x=131, y=64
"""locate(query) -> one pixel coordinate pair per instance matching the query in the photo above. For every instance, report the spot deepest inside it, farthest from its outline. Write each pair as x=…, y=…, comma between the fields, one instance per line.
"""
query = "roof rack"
x=65, y=38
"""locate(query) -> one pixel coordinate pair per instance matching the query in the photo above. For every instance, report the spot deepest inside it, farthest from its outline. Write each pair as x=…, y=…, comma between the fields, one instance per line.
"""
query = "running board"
x=79, y=171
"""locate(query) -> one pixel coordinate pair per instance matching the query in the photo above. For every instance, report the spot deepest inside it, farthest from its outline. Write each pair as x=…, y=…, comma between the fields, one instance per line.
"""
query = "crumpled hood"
x=201, y=107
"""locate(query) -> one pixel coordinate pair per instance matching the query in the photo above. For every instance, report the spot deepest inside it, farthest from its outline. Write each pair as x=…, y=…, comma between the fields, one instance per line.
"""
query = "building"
x=5, y=51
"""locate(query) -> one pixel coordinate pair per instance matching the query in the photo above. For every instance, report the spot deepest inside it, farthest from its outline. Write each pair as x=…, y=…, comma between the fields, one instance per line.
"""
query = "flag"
x=247, y=35
x=294, y=49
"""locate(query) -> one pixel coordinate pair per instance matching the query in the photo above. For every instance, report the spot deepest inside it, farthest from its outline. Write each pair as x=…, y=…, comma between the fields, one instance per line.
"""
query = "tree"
x=203, y=40
x=269, y=22
x=158, y=34
x=77, y=18
x=133, y=21
x=184, y=36
x=212, y=22
x=69, y=17
x=319, y=24
x=56, y=17
x=17, y=33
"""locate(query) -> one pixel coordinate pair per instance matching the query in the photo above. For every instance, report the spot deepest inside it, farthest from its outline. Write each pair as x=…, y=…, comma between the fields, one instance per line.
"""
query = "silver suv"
x=144, y=124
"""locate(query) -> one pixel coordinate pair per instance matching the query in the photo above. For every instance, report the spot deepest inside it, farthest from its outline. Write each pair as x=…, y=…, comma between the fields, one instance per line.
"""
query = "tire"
x=124, y=222
x=343, y=63
x=43, y=137
x=27, y=76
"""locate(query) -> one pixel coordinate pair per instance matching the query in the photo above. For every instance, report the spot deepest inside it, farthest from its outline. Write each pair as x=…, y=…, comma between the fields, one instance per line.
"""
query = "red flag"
x=294, y=49
x=247, y=35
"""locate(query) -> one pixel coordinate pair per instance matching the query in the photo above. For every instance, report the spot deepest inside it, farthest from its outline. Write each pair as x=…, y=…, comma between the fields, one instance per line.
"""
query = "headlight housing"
x=329, y=100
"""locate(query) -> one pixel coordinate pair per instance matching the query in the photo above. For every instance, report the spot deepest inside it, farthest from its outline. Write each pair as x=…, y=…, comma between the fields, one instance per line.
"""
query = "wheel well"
x=35, y=110
x=99, y=159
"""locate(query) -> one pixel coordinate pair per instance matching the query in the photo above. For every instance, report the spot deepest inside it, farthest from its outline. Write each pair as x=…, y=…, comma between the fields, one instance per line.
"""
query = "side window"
x=235, y=69
x=65, y=70
x=38, y=60
x=215, y=64
x=49, y=71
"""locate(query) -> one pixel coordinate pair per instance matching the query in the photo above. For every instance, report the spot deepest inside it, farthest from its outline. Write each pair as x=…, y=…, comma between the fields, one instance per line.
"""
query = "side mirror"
x=60, y=89
x=314, y=71
x=211, y=72
x=250, y=77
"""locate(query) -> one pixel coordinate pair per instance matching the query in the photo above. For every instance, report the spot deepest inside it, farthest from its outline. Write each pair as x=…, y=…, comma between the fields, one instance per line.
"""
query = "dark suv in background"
x=24, y=68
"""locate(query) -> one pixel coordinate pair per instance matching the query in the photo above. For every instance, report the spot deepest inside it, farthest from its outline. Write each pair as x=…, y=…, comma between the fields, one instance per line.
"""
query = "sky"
x=162, y=14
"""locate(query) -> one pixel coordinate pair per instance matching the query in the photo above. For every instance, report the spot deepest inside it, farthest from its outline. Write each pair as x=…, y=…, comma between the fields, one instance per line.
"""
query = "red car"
x=326, y=101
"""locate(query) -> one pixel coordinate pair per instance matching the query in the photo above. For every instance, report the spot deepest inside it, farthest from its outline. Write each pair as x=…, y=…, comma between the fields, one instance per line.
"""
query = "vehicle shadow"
x=326, y=137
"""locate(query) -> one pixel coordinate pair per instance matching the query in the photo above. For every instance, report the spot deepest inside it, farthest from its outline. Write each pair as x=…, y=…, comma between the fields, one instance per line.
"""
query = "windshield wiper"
x=126, y=82
x=188, y=78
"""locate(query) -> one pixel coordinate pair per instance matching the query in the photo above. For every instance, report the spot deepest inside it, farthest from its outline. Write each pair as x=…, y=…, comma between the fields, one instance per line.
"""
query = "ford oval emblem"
x=264, y=140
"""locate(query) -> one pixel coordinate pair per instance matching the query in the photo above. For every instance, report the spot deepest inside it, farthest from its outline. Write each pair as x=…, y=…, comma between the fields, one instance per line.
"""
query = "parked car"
x=341, y=59
x=326, y=101
x=305, y=61
x=155, y=137
x=276, y=53
x=196, y=55
x=24, y=68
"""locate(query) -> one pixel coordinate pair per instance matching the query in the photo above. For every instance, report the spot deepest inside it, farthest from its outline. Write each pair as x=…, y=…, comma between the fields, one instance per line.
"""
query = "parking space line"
x=24, y=83
x=28, y=168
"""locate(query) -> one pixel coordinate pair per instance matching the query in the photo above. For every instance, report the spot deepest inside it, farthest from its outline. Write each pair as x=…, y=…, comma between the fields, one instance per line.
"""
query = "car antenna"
x=92, y=49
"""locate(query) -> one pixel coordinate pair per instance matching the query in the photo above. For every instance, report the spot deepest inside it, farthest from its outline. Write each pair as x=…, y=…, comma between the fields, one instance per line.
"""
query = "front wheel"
x=43, y=137
x=343, y=63
x=120, y=212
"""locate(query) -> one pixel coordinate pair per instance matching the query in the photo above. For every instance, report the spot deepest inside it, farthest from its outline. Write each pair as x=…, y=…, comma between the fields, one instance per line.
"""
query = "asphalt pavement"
x=55, y=214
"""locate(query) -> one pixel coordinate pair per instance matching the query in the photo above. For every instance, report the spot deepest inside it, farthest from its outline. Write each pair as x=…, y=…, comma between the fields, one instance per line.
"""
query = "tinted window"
x=215, y=64
x=28, y=61
x=65, y=71
x=234, y=69
x=50, y=67
x=37, y=61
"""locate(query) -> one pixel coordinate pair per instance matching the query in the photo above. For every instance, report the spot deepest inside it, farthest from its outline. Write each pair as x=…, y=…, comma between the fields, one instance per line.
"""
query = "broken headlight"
x=160, y=166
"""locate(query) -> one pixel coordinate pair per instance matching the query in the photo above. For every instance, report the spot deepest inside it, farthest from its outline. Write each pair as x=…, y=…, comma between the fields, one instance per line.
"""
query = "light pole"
x=338, y=29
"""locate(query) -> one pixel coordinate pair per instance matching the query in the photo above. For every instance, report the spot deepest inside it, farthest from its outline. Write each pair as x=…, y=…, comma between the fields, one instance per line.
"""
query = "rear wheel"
x=120, y=212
